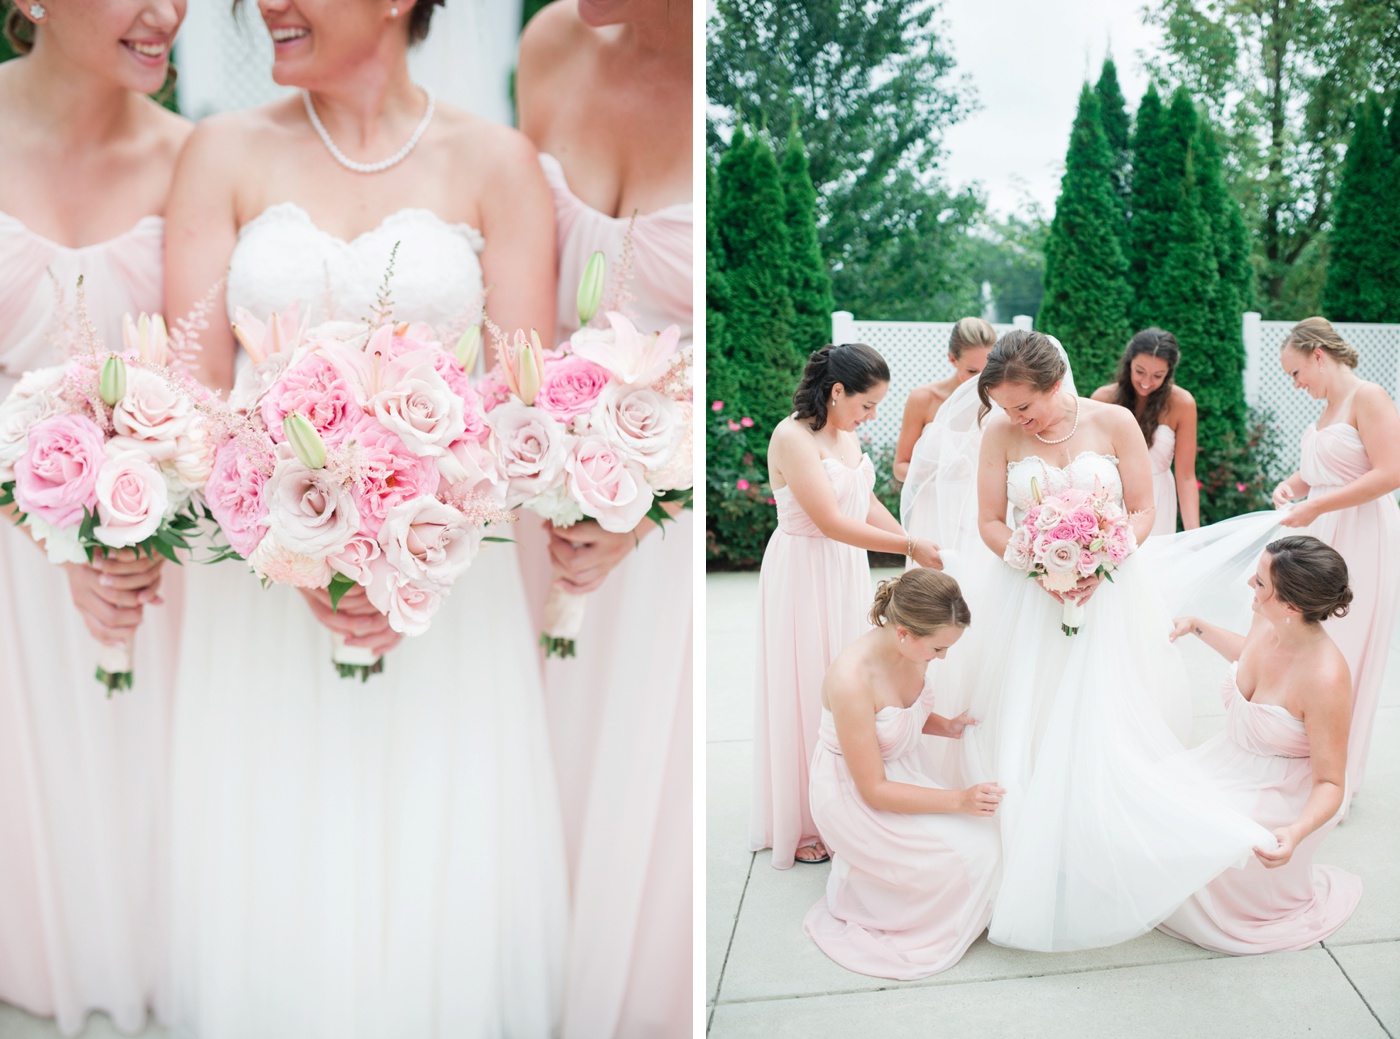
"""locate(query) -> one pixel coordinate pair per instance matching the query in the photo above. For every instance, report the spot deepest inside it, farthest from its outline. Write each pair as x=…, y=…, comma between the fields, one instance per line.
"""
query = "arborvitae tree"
x=762, y=365
x=1389, y=223
x=1117, y=127
x=1159, y=162
x=1086, y=289
x=1357, y=274
x=716, y=292
x=809, y=281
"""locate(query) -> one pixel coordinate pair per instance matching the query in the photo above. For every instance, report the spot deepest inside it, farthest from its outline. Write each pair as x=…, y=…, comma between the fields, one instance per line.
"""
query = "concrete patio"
x=765, y=978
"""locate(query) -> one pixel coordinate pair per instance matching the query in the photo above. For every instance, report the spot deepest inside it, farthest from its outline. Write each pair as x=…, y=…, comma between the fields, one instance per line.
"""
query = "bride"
x=377, y=859
x=1105, y=826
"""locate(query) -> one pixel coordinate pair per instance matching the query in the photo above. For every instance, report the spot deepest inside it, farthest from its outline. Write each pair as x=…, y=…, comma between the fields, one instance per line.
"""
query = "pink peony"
x=571, y=386
x=1065, y=531
x=610, y=489
x=1084, y=522
x=1119, y=545
x=131, y=498
x=316, y=388
x=393, y=474
x=530, y=448
x=56, y=478
x=234, y=495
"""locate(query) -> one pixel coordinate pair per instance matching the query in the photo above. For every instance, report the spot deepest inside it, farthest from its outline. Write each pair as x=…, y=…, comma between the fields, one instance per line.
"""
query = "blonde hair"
x=1317, y=333
x=970, y=333
x=921, y=600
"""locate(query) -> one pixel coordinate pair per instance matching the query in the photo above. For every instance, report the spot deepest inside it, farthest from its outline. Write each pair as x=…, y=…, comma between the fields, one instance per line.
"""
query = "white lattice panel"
x=225, y=59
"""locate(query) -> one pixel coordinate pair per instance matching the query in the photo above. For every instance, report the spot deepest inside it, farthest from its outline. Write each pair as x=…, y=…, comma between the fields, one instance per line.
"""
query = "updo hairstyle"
x=970, y=333
x=1317, y=333
x=921, y=600
x=1028, y=358
x=855, y=366
x=1310, y=576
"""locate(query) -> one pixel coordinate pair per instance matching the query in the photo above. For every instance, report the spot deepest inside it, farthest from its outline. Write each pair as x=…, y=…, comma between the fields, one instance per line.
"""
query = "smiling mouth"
x=287, y=34
x=148, y=48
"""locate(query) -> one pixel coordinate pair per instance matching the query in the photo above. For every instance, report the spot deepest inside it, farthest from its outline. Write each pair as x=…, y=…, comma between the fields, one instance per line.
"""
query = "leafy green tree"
x=873, y=90
x=809, y=283
x=1159, y=163
x=1086, y=287
x=1117, y=129
x=761, y=365
x=530, y=8
x=1358, y=269
x=716, y=292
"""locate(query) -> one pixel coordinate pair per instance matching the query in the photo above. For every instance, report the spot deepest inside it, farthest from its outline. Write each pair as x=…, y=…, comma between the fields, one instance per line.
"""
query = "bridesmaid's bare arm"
x=1188, y=493
x=1379, y=425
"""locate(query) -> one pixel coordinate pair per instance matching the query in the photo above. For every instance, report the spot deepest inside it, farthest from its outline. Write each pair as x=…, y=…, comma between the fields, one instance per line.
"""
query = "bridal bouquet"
x=108, y=451
x=600, y=429
x=355, y=455
x=1069, y=536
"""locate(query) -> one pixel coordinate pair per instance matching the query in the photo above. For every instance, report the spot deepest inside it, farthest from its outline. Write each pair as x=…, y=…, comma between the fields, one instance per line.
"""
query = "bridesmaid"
x=815, y=574
x=605, y=93
x=911, y=884
x=972, y=340
x=1347, y=479
x=1281, y=759
x=83, y=180
x=1167, y=415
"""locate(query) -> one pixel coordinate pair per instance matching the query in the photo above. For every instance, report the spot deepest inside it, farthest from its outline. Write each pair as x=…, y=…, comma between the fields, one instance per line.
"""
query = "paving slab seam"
x=1360, y=995
x=1331, y=944
x=729, y=945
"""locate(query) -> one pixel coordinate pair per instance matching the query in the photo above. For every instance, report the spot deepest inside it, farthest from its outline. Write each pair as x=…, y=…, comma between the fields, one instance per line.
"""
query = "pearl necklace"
x=369, y=167
x=1072, y=428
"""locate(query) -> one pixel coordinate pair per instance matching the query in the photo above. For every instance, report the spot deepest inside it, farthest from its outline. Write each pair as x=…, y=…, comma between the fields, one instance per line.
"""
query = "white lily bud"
x=468, y=348
x=306, y=443
x=112, y=384
x=590, y=288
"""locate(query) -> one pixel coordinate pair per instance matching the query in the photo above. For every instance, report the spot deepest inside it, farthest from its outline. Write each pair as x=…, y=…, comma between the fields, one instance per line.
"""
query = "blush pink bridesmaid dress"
x=908, y=893
x=1260, y=766
x=813, y=594
x=83, y=779
x=1160, y=453
x=619, y=712
x=1368, y=538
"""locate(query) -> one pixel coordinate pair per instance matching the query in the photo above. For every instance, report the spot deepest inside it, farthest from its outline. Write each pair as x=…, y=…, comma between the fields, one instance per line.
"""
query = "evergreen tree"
x=1159, y=163
x=762, y=367
x=1388, y=224
x=1357, y=274
x=809, y=282
x=1117, y=127
x=716, y=293
x=1086, y=289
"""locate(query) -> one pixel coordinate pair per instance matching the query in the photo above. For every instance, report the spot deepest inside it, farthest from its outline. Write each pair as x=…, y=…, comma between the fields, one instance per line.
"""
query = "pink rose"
x=417, y=405
x=741, y=484
x=308, y=510
x=408, y=606
x=1119, y=545
x=1018, y=549
x=234, y=495
x=428, y=543
x=746, y=422
x=571, y=386
x=131, y=498
x=611, y=490
x=33, y=399
x=1061, y=562
x=393, y=474
x=470, y=467
x=530, y=448
x=316, y=388
x=355, y=559
x=1064, y=531
x=56, y=478
x=151, y=415
x=1088, y=564
x=642, y=424
x=717, y=406
x=493, y=389
x=1050, y=515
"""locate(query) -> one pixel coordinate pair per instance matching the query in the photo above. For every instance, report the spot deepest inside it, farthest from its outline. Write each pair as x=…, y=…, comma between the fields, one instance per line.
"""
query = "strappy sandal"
x=826, y=855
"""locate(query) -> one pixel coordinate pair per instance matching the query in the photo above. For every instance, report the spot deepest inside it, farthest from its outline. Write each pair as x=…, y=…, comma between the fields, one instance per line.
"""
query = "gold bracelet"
x=909, y=545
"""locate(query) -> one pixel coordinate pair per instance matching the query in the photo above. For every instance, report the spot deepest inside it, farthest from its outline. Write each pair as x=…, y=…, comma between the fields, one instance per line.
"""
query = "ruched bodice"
x=852, y=485
x=1162, y=449
x=1261, y=728
x=661, y=267
x=281, y=257
x=897, y=729
x=38, y=283
x=1332, y=456
x=1084, y=471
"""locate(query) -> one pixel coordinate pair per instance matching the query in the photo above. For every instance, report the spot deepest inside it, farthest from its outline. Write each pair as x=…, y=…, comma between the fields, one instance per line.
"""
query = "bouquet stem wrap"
x=354, y=661
x=563, y=620
x=114, y=665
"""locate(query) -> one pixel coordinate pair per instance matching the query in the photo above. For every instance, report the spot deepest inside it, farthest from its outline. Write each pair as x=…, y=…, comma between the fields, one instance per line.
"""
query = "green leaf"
x=500, y=541
x=164, y=548
x=340, y=584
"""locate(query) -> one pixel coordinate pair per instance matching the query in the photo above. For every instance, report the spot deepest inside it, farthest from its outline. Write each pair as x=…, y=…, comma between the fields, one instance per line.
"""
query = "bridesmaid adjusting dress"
x=83, y=779
x=606, y=97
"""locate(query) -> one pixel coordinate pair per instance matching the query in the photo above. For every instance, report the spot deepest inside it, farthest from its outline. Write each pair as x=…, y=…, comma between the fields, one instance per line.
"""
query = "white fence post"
x=843, y=327
x=1253, y=333
x=1023, y=321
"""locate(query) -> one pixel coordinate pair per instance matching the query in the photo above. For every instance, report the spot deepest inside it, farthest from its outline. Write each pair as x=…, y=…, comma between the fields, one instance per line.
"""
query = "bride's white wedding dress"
x=1106, y=826
x=363, y=860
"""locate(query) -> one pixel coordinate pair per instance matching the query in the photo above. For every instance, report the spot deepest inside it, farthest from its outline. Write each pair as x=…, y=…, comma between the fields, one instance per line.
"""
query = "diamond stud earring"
x=393, y=12
x=37, y=12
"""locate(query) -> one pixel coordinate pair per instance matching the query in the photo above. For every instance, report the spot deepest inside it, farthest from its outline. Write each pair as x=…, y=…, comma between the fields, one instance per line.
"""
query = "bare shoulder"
x=1114, y=418
x=997, y=430
x=921, y=398
x=1181, y=401
x=550, y=38
x=1373, y=400
x=790, y=433
x=1105, y=394
x=1328, y=679
x=498, y=153
x=847, y=681
x=169, y=129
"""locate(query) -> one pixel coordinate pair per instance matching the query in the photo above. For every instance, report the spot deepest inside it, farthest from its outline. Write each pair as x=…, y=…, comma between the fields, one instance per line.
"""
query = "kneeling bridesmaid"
x=1282, y=758
x=912, y=879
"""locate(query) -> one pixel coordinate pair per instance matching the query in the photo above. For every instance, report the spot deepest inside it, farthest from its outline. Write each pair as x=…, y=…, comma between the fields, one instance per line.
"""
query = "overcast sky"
x=1028, y=59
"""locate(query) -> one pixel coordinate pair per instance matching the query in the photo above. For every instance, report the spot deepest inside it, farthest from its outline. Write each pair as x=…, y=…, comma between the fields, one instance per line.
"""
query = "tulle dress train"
x=1260, y=766
x=907, y=894
x=813, y=594
x=83, y=780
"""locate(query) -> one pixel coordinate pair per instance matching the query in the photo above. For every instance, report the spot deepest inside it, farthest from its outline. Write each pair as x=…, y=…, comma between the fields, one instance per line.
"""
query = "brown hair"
x=418, y=19
x=1155, y=342
x=1029, y=358
x=970, y=333
x=1317, y=333
x=19, y=30
x=921, y=600
x=855, y=366
x=1310, y=576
